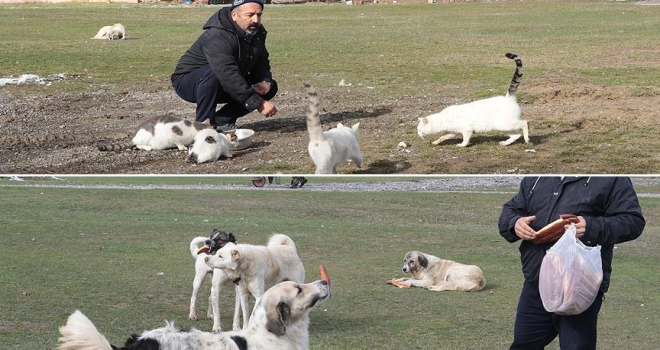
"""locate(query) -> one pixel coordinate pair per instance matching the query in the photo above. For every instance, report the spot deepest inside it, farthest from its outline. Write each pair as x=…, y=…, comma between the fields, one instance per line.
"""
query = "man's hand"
x=267, y=109
x=580, y=227
x=522, y=228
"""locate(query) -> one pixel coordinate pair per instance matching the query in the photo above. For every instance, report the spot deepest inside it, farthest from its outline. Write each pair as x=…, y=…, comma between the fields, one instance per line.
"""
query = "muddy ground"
x=57, y=133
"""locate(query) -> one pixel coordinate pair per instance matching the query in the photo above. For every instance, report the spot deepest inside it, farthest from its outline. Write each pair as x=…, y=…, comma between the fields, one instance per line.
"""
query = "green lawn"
x=393, y=47
x=121, y=256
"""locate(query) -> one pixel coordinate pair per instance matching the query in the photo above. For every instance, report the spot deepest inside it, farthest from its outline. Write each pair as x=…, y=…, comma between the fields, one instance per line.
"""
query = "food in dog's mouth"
x=324, y=274
x=399, y=284
x=203, y=249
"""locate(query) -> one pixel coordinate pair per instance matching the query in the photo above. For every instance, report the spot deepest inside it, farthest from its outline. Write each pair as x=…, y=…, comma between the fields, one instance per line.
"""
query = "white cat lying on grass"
x=500, y=113
x=161, y=132
x=209, y=146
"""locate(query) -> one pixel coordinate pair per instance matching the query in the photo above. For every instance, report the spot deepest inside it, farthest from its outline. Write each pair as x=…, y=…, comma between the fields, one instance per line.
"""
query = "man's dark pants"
x=203, y=88
x=535, y=327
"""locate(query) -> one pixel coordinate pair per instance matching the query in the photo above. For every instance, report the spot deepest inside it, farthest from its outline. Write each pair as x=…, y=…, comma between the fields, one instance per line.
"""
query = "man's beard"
x=252, y=29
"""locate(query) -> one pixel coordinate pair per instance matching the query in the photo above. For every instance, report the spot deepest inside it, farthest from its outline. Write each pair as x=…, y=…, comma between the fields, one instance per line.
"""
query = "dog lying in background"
x=113, y=32
x=217, y=240
x=437, y=274
x=280, y=322
x=260, y=267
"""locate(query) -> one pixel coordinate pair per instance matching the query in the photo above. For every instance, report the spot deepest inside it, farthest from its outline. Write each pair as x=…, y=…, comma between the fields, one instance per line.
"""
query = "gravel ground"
x=490, y=184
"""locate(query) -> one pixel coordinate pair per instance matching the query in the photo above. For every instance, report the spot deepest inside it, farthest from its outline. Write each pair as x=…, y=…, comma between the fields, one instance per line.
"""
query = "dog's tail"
x=314, y=127
x=194, y=245
x=79, y=333
x=280, y=239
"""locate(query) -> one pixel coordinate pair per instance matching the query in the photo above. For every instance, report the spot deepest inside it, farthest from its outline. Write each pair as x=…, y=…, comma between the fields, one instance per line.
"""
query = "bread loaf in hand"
x=554, y=230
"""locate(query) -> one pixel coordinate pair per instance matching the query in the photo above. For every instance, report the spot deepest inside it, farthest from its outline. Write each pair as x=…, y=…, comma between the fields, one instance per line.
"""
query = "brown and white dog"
x=437, y=274
x=280, y=321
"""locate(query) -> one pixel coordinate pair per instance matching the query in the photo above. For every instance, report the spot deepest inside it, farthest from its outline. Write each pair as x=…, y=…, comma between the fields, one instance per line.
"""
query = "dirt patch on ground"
x=58, y=133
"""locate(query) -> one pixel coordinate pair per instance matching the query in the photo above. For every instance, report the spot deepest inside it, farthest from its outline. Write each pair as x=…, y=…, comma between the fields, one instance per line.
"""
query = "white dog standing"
x=260, y=267
x=437, y=274
x=113, y=32
x=219, y=278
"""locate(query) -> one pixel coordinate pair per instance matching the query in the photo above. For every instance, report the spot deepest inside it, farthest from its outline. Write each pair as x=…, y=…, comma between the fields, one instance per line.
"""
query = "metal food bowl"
x=243, y=139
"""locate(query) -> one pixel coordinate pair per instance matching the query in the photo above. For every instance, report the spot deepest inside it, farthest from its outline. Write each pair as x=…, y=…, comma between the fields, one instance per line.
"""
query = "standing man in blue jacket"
x=608, y=213
x=228, y=64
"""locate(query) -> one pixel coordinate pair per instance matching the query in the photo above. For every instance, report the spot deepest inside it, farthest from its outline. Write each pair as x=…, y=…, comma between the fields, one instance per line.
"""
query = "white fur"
x=280, y=322
x=438, y=274
x=336, y=147
x=260, y=267
x=82, y=334
x=164, y=137
x=113, y=32
x=218, y=280
x=500, y=113
x=209, y=146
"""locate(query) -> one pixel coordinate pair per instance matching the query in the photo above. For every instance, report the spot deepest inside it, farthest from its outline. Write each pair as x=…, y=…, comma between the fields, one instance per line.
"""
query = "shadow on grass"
x=384, y=166
x=293, y=124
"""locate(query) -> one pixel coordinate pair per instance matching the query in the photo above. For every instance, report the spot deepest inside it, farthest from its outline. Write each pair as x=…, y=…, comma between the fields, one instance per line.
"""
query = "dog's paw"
x=192, y=316
x=216, y=329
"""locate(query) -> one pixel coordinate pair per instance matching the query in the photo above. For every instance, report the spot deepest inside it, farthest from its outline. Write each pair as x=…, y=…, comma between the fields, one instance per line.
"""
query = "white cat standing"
x=500, y=113
x=161, y=132
x=332, y=148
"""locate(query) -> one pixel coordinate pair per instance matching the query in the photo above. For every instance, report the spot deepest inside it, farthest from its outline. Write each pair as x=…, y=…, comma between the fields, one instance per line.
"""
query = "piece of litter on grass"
x=160, y=274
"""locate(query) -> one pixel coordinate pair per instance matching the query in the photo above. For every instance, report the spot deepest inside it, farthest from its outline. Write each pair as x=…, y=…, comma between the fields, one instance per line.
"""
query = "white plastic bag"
x=570, y=275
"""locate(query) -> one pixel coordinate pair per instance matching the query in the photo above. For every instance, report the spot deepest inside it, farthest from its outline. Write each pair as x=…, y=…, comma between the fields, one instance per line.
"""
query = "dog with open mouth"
x=219, y=279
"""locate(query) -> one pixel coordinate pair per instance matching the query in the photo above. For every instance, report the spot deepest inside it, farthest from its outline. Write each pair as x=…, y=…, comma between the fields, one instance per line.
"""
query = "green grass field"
x=121, y=256
x=389, y=46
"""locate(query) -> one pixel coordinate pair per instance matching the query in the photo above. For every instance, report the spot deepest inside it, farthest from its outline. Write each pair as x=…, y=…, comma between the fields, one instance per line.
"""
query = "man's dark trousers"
x=203, y=88
x=535, y=327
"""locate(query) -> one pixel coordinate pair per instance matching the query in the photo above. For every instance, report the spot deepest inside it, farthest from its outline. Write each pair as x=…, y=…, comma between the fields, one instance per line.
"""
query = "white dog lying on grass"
x=113, y=32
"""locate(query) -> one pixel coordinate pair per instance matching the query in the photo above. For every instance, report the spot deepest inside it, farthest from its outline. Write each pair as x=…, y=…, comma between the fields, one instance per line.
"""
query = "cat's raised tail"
x=517, y=75
x=313, y=119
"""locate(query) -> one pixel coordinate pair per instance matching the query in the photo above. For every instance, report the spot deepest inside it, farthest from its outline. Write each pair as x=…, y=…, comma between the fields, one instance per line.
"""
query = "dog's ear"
x=276, y=317
x=235, y=255
x=423, y=261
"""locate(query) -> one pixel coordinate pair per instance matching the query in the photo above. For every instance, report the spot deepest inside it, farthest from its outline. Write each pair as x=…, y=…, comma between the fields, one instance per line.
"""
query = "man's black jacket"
x=237, y=59
x=608, y=204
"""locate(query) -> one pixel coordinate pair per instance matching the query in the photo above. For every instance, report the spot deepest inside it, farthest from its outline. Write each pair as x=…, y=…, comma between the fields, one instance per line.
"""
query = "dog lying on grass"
x=437, y=274
x=113, y=32
x=280, y=321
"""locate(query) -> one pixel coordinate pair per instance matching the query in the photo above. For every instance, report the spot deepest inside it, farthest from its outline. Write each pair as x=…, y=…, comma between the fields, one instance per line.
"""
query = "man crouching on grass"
x=228, y=64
